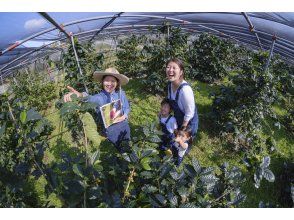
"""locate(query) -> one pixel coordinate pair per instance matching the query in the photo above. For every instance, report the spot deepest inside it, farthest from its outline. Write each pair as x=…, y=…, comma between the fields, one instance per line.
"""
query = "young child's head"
x=165, y=109
x=184, y=134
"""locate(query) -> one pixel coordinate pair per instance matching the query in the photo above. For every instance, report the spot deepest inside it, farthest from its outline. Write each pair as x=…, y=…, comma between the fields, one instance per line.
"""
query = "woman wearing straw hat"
x=111, y=81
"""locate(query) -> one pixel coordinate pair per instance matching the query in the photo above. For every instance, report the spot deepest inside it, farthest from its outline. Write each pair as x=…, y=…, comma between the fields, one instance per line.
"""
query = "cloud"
x=34, y=24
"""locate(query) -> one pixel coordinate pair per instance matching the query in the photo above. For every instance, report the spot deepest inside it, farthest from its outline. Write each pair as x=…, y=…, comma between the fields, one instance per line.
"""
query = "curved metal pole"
x=78, y=63
x=271, y=53
x=104, y=17
x=251, y=29
x=106, y=25
x=52, y=21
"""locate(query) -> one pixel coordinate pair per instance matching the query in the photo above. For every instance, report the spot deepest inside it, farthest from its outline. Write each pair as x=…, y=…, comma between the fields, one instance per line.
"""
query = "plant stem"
x=86, y=144
x=130, y=179
x=223, y=195
x=10, y=112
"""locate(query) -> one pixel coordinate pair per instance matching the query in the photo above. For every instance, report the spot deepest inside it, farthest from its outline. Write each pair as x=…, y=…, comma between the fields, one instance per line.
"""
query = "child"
x=168, y=125
x=180, y=144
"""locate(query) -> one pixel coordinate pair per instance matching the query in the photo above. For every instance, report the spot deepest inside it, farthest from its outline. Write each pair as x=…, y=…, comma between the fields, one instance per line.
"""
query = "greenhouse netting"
x=26, y=37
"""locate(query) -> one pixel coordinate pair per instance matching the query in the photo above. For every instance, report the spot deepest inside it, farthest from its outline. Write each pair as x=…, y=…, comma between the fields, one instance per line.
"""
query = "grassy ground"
x=208, y=148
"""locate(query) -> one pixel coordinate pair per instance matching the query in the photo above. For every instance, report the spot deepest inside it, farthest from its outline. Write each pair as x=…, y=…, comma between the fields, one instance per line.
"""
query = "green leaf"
x=148, y=152
x=133, y=156
x=126, y=157
x=183, y=192
x=165, y=170
x=190, y=170
x=210, y=178
x=77, y=170
x=2, y=129
x=149, y=188
x=161, y=199
x=69, y=107
x=196, y=165
x=146, y=175
x=238, y=199
x=33, y=115
x=94, y=158
x=146, y=131
x=268, y=175
x=175, y=175
x=188, y=205
x=40, y=126
x=154, y=139
x=265, y=162
x=23, y=116
x=207, y=170
x=91, y=129
x=173, y=199
x=145, y=163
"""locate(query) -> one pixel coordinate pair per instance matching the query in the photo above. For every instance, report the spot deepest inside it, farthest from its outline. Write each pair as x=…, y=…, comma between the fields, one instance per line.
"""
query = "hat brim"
x=122, y=78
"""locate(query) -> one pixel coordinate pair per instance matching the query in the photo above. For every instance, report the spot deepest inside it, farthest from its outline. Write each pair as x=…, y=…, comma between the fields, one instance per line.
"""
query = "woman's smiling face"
x=109, y=84
x=173, y=71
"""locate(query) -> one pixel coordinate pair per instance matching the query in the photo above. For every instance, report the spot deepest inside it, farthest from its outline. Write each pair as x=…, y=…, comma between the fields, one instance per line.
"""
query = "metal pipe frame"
x=103, y=17
x=271, y=54
x=98, y=18
x=251, y=28
x=106, y=25
x=52, y=21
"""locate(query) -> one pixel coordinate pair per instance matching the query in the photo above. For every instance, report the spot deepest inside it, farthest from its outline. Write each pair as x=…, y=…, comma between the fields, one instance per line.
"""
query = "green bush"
x=34, y=90
x=209, y=57
x=129, y=56
x=173, y=43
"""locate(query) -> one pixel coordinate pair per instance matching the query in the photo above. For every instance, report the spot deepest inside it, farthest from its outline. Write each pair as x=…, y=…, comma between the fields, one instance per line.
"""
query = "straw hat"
x=98, y=75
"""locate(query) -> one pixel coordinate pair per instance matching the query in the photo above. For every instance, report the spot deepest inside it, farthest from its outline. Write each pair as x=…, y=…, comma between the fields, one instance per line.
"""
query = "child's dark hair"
x=165, y=101
x=186, y=131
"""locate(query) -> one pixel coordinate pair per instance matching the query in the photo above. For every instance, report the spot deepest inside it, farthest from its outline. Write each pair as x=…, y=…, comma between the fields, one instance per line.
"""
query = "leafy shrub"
x=240, y=107
x=34, y=90
x=129, y=56
x=23, y=137
x=173, y=43
x=284, y=76
x=285, y=182
x=208, y=57
x=89, y=61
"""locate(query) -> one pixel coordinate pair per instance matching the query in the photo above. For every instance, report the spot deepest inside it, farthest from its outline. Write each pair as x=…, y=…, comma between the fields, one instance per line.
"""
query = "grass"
x=208, y=148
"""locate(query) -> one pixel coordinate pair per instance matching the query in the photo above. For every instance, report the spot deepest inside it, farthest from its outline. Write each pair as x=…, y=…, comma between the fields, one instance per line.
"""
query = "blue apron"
x=118, y=132
x=179, y=115
x=167, y=136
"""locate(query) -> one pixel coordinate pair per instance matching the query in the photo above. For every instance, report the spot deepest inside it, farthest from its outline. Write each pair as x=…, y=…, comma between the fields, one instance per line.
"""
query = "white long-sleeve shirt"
x=186, y=101
x=171, y=125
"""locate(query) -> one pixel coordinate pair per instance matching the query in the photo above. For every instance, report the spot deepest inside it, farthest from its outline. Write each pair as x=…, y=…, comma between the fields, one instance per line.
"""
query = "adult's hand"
x=67, y=97
x=119, y=119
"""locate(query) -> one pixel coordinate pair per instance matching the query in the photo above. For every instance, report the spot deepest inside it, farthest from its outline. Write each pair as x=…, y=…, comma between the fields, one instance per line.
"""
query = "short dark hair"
x=117, y=80
x=187, y=131
x=165, y=101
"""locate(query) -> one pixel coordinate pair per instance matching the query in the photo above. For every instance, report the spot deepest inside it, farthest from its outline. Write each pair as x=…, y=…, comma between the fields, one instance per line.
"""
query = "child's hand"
x=178, y=139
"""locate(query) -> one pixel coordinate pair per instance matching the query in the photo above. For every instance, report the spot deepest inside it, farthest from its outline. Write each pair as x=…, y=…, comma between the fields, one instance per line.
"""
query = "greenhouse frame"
x=46, y=31
x=147, y=109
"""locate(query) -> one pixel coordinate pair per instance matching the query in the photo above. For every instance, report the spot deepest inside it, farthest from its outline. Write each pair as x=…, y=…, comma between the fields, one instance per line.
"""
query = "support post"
x=2, y=84
x=78, y=62
x=271, y=53
x=251, y=29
